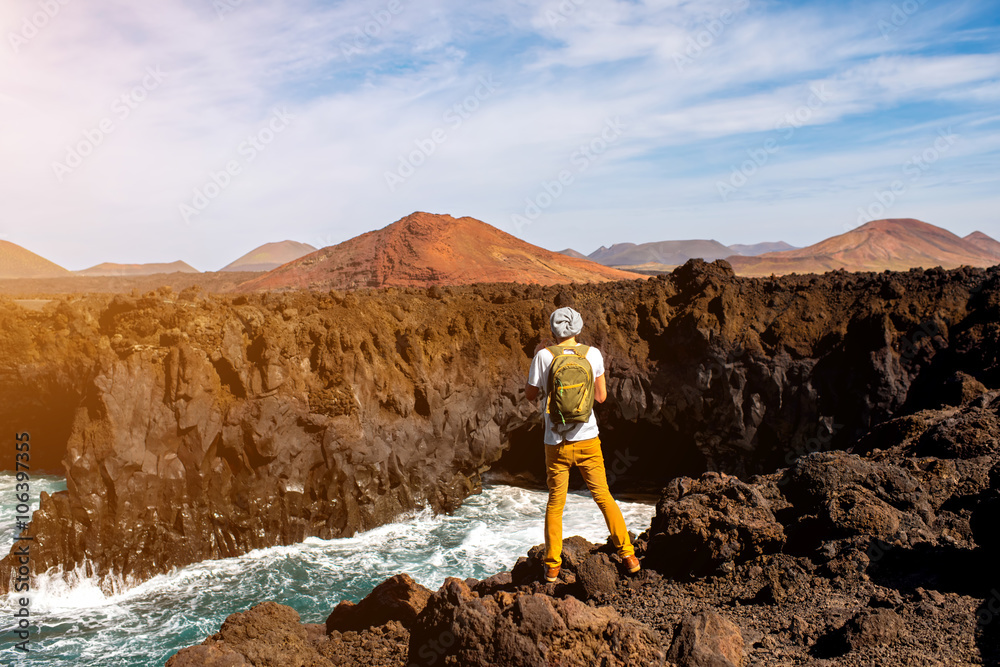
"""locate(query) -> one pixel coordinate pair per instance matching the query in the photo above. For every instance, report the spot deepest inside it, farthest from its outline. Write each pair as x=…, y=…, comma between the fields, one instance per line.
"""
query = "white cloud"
x=362, y=102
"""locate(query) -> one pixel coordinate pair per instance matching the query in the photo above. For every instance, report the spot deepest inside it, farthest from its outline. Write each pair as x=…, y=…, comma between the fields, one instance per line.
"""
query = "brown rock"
x=597, y=575
x=707, y=640
x=207, y=655
x=528, y=629
x=267, y=634
x=873, y=627
x=701, y=524
x=398, y=598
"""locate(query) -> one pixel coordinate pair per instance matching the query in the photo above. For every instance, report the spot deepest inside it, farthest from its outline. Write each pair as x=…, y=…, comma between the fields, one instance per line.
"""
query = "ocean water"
x=75, y=623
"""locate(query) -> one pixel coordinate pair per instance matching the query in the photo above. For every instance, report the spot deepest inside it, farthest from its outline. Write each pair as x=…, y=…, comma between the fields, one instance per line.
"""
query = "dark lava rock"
x=701, y=524
x=271, y=634
x=494, y=584
x=835, y=494
x=526, y=629
x=398, y=598
x=873, y=627
x=784, y=580
x=985, y=520
x=706, y=639
x=961, y=388
x=575, y=550
x=597, y=576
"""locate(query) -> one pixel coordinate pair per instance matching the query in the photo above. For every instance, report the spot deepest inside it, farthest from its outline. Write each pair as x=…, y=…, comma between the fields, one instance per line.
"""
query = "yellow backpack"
x=571, y=387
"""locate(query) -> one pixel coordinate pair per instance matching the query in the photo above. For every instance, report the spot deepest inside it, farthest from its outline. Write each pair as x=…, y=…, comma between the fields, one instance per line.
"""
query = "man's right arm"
x=534, y=374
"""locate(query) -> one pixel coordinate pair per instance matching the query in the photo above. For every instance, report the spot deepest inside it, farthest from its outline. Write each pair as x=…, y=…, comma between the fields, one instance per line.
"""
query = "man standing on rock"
x=573, y=440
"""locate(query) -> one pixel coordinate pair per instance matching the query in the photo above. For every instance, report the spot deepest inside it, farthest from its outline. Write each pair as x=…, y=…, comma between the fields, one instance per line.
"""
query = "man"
x=570, y=444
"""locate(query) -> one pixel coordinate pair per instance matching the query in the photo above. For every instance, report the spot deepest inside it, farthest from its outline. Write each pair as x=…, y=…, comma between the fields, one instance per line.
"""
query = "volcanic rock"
x=193, y=426
x=597, y=576
x=527, y=629
x=267, y=634
x=848, y=596
x=271, y=634
x=873, y=627
x=839, y=494
x=707, y=639
x=701, y=524
x=398, y=598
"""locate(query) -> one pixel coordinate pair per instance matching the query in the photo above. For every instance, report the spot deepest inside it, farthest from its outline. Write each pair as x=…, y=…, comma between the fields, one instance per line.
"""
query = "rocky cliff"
x=193, y=426
x=884, y=555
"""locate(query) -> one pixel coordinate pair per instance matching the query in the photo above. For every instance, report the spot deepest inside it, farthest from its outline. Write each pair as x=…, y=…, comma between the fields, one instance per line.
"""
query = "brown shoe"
x=551, y=574
x=631, y=564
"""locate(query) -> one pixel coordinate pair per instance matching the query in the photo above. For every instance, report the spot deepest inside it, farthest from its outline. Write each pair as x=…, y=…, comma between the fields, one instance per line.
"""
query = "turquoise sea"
x=75, y=624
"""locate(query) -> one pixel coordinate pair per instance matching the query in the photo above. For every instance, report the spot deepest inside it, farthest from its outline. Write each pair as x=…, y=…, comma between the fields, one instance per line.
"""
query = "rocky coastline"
x=881, y=555
x=193, y=426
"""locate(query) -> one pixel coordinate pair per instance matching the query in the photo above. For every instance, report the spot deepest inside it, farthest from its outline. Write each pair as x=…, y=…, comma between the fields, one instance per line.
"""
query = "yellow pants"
x=587, y=456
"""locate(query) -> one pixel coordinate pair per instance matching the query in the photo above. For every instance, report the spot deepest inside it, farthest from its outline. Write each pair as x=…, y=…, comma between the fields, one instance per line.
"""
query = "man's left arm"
x=600, y=379
x=600, y=389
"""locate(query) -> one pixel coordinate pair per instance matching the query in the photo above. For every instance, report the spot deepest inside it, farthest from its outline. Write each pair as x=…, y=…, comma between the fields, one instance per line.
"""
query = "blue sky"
x=199, y=129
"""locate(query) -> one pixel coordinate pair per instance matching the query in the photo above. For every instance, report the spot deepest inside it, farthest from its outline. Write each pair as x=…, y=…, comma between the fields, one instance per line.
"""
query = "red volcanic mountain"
x=425, y=249
x=897, y=244
x=18, y=262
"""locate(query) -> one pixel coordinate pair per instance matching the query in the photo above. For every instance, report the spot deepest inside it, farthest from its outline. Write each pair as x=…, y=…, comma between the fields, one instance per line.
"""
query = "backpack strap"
x=557, y=350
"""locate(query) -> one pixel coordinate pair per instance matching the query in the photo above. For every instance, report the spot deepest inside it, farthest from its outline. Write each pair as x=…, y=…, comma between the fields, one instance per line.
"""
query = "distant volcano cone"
x=112, y=269
x=425, y=249
x=18, y=262
x=269, y=256
x=896, y=244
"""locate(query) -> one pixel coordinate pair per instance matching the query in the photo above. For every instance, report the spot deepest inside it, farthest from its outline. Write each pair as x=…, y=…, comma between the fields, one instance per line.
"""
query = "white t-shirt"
x=538, y=376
